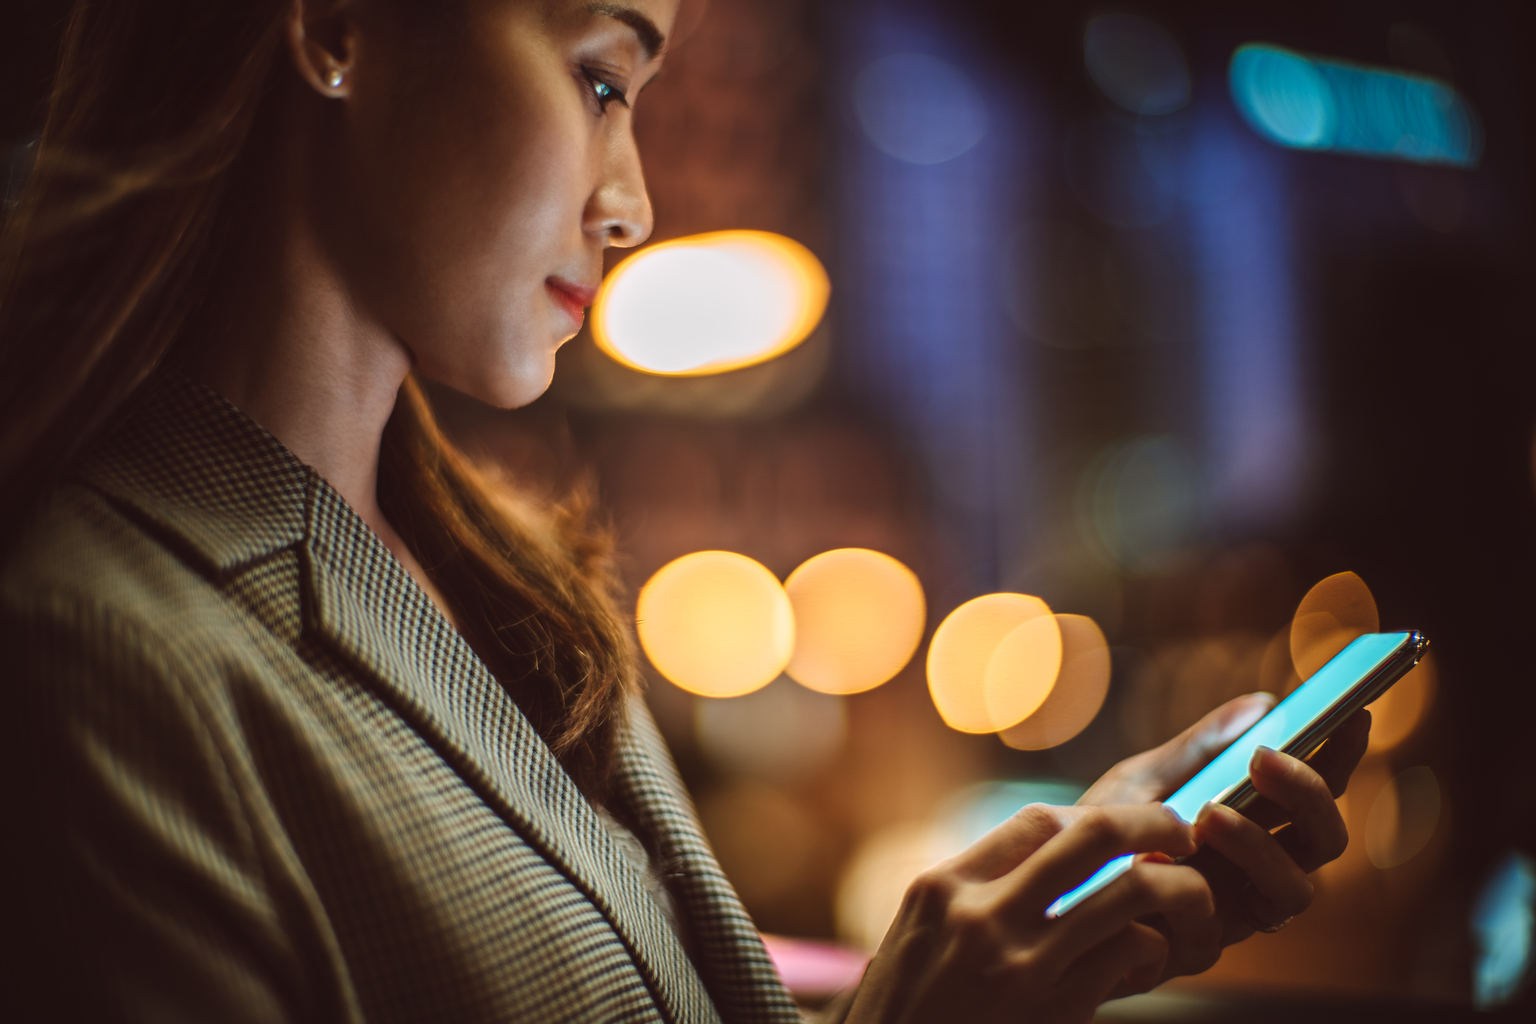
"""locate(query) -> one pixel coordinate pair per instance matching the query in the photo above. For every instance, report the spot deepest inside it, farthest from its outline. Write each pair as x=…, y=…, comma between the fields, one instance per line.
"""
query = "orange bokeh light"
x=1396, y=713
x=1022, y=671
x=859, y=618
x=1079, y=691
x=716, y=623
x=960, y=661
x=1332, y=614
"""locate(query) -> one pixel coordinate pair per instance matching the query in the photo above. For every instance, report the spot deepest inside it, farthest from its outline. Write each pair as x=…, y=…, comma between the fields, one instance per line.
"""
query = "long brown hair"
x=154, y=123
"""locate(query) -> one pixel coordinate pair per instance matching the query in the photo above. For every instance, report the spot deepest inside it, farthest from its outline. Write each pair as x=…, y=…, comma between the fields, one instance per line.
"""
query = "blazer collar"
x=193, y=466
x=197, y=470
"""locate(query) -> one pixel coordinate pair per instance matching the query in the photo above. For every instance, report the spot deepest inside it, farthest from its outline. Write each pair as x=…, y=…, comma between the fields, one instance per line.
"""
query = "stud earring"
x=334, y=78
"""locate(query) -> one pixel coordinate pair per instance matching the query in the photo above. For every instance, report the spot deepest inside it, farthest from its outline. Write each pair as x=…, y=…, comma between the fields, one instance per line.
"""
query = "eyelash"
x=606, y=92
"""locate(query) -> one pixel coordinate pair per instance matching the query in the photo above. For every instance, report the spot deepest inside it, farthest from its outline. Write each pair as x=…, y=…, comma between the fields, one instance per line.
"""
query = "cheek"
x=480, y=201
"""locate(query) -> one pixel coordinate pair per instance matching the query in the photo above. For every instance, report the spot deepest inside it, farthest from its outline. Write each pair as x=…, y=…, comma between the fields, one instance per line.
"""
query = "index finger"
x=1319, y=831
x=1098, y=835
x=1006, y=846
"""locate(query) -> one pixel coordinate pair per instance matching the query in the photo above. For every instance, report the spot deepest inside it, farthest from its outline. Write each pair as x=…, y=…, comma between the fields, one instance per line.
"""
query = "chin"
x=504, y=386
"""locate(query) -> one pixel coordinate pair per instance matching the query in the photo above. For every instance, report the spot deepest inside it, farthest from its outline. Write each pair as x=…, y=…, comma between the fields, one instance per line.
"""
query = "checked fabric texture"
x=295, y=794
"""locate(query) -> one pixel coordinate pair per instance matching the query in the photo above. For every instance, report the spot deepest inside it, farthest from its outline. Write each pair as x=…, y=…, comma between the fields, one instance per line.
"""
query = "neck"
x=299, y=358
x=290, y=346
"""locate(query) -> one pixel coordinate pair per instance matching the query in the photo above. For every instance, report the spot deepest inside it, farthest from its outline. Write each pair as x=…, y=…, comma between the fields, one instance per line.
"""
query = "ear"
x=322, y=40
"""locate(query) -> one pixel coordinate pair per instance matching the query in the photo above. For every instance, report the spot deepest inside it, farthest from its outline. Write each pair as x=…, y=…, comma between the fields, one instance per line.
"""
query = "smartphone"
x=1297, y=725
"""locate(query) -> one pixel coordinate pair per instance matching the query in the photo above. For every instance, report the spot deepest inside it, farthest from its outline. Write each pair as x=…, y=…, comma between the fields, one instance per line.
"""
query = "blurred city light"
x=1403, y=818
x=716, y=623
x=1396, y=713
x=814, y=970
x=1078, y=694
x=877, y=875
x=1256, y=438
x=1313, y=103
x=938, y=143
x=960, y=660
x=859, y=618
x=1139, y=501
x=1335, y=611
x=977, y=810
x=1022, y=671
x=1137, y=64
x=710, y=303
x=918, y=108
x=780, y=733
x=1503, y=927
x=1355, y=804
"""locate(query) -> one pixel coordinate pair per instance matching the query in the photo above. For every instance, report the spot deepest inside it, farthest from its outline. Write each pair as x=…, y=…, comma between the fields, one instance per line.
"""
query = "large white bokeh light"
x=710, y=303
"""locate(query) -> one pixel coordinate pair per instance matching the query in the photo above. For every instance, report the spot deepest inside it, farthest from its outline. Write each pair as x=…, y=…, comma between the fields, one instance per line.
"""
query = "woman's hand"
x=1259, y=878
x=971, y=942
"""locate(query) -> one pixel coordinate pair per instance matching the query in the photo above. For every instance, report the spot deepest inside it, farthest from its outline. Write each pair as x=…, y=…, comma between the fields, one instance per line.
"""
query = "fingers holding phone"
x=971, y=941
x=1266, y=888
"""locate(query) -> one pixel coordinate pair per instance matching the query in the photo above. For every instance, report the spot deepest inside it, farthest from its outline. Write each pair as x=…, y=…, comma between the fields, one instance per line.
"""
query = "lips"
x=572, y=298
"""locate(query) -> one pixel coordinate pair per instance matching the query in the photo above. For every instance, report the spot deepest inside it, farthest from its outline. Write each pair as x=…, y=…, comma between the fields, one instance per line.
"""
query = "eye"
x=605, y=92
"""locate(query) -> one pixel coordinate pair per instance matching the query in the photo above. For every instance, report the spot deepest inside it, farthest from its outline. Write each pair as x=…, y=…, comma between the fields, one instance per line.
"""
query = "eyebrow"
x=650, y=36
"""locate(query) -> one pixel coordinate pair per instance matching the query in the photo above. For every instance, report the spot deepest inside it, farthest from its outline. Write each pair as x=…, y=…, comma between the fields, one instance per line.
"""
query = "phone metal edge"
x=1398, y=665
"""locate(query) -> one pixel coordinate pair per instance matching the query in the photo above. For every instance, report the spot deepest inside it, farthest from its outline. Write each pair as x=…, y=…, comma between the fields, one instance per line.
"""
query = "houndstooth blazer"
x=294, y=793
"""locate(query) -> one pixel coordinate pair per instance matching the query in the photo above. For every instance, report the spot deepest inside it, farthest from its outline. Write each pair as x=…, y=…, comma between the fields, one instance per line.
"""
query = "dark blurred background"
x=1115, y=349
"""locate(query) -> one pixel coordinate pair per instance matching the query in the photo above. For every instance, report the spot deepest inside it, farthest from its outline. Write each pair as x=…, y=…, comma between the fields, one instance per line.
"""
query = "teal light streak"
x=1305, y=102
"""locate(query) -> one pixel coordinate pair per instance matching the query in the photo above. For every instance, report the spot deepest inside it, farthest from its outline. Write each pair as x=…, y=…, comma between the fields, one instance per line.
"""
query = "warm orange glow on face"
x=1079, y=691
x=859, y=617
x=1398, y=712
x=1333, y=613
x=716, y=623
x=710, y=303
x=961, y=655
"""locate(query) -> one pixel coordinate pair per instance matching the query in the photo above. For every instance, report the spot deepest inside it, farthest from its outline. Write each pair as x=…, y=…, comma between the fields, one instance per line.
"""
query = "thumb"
x=1181, y=757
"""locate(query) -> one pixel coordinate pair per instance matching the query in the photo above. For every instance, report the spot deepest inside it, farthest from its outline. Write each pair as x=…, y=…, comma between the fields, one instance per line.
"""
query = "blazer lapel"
x=361, y=601
x=198, y=471
x=736, y=967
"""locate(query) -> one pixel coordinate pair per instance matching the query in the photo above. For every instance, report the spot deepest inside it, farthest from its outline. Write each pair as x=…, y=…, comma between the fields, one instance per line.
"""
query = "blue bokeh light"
x=1311, y=103
x=925, y=335
x=1503, y=922
x=1284, y=97
x=918, y=108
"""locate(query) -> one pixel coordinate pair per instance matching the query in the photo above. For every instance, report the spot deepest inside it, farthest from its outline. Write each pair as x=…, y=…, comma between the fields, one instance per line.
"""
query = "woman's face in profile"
x=485, y=161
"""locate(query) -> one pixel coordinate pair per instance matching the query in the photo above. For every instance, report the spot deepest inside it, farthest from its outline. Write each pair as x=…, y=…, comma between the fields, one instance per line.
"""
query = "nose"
x=619, y=210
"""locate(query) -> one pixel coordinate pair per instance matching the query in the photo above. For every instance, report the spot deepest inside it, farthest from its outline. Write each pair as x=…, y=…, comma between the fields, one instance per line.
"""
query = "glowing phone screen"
x=1284, y=723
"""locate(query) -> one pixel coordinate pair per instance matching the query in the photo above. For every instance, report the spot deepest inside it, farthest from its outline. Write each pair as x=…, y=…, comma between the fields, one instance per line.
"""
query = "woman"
x=332, y=729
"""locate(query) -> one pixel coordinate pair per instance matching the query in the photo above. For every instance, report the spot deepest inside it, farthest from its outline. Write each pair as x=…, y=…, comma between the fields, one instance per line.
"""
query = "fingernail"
x=1207, y=814
x=1267, y=760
